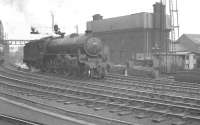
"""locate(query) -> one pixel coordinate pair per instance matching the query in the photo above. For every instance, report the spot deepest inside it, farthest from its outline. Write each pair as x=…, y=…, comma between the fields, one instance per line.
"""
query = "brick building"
x=134, y=36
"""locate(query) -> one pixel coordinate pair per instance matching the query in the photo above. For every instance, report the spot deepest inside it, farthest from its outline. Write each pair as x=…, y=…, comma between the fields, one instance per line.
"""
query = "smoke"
x=12, y=15
x=25, y=8
x=20, y=5
x=19, y=15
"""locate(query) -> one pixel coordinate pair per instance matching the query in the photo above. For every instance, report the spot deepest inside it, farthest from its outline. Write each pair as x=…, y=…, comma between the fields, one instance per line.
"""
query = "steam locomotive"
x=72, y=55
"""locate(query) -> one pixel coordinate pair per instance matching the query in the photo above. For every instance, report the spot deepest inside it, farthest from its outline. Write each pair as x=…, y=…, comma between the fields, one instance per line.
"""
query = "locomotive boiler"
x=72, y=55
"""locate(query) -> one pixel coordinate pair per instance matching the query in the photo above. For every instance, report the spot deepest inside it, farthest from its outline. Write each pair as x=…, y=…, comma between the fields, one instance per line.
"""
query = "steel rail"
x=152, y=86
x=61, y=111
x=121, y=106
x=158, y=81
x=126, y=93
x=18, y=120
x=143, y=95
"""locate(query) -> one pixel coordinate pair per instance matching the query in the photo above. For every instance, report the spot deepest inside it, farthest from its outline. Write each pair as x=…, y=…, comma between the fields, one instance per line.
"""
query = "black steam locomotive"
x=71, y=55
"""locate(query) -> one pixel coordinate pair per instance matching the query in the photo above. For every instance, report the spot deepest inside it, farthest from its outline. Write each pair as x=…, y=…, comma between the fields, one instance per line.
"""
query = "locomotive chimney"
x=97, y=17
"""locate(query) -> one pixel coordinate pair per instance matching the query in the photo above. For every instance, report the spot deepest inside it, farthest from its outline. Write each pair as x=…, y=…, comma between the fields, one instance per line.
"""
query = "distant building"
x=189, y=42
x=189, y=46
x=134, y=36
x=185, y=55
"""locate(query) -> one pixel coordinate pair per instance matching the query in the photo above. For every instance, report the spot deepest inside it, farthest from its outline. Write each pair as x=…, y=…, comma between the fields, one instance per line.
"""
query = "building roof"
x=194, y=37
x=143, y=20
x=188, y=42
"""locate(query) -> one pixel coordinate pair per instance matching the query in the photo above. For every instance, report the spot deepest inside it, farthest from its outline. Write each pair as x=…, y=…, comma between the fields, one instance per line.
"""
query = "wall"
x=166, y=63
x=183, y=62
x=137, y=35
x=142, y=20
x=125, y=45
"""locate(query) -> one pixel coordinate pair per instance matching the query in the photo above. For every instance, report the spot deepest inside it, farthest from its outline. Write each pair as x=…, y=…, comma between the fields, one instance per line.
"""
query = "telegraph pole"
x=76, y=28
x=52, y=21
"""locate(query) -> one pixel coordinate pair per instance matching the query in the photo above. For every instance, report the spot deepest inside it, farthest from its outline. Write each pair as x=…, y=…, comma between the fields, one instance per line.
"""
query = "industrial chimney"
x=97, y=17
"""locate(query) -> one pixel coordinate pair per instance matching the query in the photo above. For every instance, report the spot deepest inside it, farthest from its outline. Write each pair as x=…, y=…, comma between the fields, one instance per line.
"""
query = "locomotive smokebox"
x=93, y=46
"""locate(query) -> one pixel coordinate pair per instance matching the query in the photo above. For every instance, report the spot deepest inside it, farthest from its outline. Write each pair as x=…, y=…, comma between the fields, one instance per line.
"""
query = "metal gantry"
x=15, y=42
x=174, y=34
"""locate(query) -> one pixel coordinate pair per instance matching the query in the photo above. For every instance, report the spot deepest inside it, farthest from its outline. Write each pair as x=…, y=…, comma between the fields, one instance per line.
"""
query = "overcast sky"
x=18, y=15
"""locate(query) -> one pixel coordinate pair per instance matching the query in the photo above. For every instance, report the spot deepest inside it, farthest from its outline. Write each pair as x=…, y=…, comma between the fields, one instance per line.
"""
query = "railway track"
x=120, y=92
x=157, y=81
x=191, y=91
x=125, y=104
x=165, y=87
x=119, y=89
x=22, y=92
x=16, y=121
x=13, y=90
x=80, y=118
